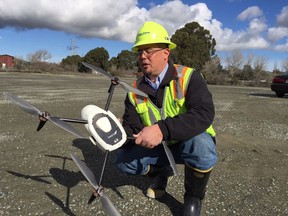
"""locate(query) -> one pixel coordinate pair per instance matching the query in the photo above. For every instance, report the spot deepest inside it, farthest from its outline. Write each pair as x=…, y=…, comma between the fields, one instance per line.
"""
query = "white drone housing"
x=105, y=129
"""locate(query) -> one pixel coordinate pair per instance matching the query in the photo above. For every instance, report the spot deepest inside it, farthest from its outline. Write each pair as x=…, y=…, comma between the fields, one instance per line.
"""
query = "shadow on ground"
x=267, y=95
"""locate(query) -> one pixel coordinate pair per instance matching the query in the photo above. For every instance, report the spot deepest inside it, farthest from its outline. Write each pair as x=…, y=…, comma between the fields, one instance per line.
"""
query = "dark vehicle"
x=280, y=85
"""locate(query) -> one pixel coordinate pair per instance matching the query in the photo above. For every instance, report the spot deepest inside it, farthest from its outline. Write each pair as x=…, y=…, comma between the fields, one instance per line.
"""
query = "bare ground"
x=38, y=176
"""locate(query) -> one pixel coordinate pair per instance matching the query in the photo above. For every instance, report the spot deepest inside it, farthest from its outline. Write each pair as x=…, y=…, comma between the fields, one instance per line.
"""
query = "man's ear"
x=167, y=52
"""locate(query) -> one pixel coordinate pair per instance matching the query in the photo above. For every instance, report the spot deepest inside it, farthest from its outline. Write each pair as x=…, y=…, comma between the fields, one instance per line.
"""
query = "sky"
x=257, y=27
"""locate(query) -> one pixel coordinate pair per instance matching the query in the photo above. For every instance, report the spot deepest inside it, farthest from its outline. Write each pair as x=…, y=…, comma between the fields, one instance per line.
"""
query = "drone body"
x=103, y=126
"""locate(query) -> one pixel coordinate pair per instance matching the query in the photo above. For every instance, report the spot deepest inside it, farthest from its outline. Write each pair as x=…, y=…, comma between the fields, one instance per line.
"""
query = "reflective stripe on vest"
x=173, y=100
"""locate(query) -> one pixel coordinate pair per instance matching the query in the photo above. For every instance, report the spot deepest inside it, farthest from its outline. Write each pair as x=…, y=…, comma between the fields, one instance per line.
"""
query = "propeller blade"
x=167, y=151
x=130, y=88
x=65, y=126
x=110, y=209
x=170, y=158
x=98, y=69
x=41, y=124
x=91, y=199
x=27, y=107
x=123, y=84
x=24, y=105
x=88, y=174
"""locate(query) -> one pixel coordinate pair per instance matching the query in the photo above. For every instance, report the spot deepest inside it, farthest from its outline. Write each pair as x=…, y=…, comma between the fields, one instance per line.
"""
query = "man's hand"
x=149, y=137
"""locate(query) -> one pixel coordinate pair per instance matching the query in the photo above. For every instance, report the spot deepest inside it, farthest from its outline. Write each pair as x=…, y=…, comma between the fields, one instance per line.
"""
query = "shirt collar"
x=159, y=79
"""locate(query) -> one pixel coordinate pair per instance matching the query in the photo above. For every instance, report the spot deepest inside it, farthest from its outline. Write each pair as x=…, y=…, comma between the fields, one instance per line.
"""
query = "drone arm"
x=80, y=121
x=104, y=166
x=110, y=91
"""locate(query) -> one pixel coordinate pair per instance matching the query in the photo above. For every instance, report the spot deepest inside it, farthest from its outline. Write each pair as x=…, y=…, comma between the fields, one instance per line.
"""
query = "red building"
x=6, y=61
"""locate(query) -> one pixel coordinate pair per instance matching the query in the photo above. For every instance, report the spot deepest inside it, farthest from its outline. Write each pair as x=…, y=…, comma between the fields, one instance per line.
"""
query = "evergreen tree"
x=98, y=57
x=195, y=46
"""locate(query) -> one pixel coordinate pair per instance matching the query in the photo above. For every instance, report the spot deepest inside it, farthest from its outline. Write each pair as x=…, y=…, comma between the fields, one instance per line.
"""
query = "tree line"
x=195, y=48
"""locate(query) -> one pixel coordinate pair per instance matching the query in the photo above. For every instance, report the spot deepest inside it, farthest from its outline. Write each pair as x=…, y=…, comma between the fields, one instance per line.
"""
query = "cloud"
x=282, y=47
x=282, y=18
x=256, y=26
x=120, y=20
x=250, y=13
x=116, y=20
x=87, y=18
x=277, y=33
x=250, y=38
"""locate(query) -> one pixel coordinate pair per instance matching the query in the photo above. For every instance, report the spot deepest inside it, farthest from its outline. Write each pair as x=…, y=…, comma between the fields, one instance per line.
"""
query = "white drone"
x=104, y=128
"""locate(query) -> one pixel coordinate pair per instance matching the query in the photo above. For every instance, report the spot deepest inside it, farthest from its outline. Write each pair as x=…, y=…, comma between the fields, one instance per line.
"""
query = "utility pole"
x=73, y=47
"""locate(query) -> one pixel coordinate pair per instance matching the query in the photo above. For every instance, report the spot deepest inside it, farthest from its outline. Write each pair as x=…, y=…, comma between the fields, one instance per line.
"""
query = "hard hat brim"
x=171, y=45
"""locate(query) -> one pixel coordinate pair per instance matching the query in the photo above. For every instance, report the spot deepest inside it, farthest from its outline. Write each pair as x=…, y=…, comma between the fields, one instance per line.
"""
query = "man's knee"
x=200, y=152
x=129, y=168
x=122, y=168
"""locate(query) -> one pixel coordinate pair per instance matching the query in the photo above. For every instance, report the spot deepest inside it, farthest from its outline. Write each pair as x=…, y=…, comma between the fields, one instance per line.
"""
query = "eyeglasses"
x=148, y=52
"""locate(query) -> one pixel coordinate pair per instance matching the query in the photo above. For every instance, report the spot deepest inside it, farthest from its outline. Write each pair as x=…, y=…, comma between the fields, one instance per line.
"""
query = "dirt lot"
x=38, y=176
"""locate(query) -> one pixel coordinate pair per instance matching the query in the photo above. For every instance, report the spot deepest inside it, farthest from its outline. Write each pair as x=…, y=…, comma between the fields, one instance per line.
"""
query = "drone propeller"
x=23, y=104
x=44, y=116
x=170, y=158
x=106, y=203
x=123, y=84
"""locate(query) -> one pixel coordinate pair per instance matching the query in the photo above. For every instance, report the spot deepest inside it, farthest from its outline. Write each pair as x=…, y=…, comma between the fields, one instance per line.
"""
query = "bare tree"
x=285, y=64
x=235, y=60
x=249, y=60
x=259, y=69
x=276, y=69
x=247, y=71
x=39, y=56
x=235, y=63
x=213, y=71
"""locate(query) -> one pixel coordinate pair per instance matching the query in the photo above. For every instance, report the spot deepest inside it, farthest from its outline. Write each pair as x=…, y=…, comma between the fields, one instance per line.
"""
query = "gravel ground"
x=38, y=176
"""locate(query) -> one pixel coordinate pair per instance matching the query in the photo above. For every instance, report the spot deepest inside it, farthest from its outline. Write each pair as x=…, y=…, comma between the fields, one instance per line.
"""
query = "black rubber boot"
x=195, y=188
x=160, y=177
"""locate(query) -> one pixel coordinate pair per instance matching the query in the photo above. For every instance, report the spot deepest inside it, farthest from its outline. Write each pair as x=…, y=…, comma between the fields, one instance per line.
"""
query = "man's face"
x=152, y=58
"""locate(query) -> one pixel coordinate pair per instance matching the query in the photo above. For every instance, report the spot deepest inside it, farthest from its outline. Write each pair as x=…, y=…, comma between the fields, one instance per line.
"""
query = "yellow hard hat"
x=152, y=33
